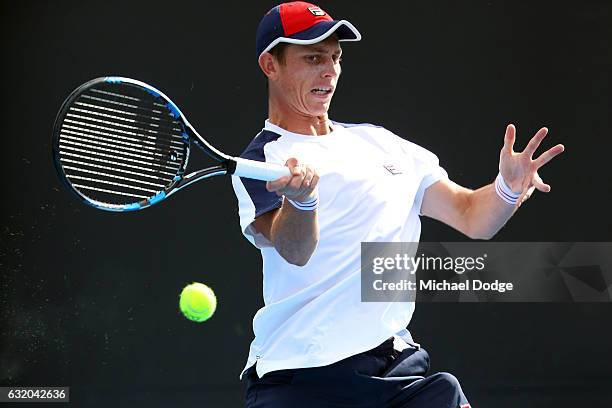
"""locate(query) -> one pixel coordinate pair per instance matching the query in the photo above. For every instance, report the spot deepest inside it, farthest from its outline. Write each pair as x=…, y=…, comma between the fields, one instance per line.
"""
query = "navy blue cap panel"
x=270, y=28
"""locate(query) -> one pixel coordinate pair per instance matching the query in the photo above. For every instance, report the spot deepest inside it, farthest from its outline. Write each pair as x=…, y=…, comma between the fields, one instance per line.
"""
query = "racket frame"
x=227, y=164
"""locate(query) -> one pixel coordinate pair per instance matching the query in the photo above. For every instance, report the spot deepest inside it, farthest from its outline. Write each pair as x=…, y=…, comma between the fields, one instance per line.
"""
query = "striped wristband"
x=310, y=205
x=504, y=191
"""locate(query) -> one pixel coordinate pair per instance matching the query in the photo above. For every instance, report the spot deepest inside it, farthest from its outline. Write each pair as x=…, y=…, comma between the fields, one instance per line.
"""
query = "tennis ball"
x=197, y=302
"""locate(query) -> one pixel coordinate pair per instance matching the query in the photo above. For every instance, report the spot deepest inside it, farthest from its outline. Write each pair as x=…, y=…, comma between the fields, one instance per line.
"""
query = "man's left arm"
x=481, y=213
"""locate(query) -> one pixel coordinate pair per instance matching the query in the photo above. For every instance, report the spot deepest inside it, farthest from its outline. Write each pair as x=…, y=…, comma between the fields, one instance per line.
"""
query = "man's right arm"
x=293, y=232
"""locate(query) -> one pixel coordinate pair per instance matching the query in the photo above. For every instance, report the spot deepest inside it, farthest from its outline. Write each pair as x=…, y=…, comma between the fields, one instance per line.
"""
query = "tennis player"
x=316, y=344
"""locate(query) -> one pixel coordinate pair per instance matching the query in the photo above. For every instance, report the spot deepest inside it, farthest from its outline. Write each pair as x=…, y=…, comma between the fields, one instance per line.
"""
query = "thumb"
x=293, y=164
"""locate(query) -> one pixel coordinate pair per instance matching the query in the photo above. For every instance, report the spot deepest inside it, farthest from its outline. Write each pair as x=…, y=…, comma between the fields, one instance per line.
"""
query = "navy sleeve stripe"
x=263, y=200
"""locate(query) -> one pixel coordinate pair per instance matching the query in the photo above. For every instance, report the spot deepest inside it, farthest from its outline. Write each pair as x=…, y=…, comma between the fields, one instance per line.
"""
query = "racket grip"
x=259, y=170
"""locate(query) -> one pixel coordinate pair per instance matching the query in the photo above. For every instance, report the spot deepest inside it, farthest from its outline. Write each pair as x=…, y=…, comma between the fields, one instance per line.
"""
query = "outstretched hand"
x=520, y=170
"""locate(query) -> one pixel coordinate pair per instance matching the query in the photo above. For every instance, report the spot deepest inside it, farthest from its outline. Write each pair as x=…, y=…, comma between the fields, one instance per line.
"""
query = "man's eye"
x=314, y=58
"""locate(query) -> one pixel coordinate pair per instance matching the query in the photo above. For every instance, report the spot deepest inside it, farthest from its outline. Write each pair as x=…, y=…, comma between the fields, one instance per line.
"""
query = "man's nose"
x=330, y=69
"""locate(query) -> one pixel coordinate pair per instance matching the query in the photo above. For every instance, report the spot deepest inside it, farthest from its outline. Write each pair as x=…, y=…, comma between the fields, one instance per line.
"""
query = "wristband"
x=310, y=205
x=504, y=191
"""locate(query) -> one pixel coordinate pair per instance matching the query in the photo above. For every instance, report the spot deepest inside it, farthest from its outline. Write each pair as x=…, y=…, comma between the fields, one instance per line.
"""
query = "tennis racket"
x=122, y=145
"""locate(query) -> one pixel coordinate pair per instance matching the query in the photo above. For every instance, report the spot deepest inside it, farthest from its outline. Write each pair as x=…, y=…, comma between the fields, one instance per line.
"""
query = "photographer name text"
x=443, y=285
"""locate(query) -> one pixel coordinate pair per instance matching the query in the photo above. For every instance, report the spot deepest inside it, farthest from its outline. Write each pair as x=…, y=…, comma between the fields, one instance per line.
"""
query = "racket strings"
x=115, y=164
x=104, y=130
x=160, y=133
x=161, y=159
x=118, y=144
x=139, y=174
x=121, y=140
x=66, y=145
x=156, y=108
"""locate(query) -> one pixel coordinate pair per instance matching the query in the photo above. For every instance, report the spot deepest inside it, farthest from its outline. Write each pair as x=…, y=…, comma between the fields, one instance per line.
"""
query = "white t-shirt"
x=370, y=190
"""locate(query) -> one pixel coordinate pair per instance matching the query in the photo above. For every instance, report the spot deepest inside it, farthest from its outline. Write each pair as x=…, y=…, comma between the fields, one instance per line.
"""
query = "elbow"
x=483, y=237
x=479, y=229
x=298, y=261
x=480, y=235
x=300, y=258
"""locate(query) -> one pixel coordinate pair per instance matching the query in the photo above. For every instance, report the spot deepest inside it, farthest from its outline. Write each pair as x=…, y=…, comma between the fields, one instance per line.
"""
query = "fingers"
x=307, y=182
x=536, y=182
x=294, y=168
x=535, y=141
x=312, y=184
x=276, y=185
x=509, y=139
x=539, y=184
x=302, y=186
x=299, y=186
x=525, y=196
x=296, y=185
x=548, y=155
x=293, y=165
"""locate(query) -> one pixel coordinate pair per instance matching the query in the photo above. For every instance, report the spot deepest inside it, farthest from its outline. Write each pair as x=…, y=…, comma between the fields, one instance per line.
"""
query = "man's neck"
x=304, y=125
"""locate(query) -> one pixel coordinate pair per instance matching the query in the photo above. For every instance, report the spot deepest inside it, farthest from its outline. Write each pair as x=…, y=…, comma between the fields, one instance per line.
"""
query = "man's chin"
x=320, y=110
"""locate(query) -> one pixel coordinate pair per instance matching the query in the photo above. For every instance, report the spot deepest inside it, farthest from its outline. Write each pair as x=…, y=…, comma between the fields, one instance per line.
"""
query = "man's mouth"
x=321, y=91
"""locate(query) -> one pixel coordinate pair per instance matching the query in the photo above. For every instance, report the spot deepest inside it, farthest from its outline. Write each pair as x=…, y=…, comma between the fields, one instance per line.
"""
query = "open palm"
x=520, y=169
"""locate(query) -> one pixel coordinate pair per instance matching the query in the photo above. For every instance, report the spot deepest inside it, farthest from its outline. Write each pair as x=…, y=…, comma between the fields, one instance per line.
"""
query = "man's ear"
x=268, y=65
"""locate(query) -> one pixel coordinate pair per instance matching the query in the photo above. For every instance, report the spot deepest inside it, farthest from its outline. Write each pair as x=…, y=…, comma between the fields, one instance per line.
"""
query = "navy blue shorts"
x=382, y=377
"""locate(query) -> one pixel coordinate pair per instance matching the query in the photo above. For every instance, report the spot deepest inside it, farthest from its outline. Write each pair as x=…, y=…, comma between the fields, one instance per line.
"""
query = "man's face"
x=307, y=79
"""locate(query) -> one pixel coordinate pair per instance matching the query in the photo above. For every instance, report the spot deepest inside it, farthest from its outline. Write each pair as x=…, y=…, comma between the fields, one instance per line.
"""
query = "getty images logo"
x=422, y=262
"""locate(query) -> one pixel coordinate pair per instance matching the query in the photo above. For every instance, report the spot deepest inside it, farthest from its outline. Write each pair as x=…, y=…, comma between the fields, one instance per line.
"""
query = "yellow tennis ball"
x=198, y=302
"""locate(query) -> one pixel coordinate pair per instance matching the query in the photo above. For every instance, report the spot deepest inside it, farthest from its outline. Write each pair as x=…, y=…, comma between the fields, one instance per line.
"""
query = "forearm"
x=486, y=213
x=295, y=233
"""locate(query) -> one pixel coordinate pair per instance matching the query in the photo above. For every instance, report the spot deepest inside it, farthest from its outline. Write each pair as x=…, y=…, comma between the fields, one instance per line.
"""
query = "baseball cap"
x=302, y=23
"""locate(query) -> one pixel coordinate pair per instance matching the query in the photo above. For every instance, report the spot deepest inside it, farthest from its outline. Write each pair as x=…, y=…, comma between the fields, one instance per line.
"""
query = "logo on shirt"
x=392, y=168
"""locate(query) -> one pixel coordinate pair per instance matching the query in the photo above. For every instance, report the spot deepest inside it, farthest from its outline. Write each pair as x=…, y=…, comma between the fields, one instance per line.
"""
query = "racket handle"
x=259, y=170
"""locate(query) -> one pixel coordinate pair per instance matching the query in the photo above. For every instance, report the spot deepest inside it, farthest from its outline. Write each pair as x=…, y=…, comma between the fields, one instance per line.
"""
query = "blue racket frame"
x=227, y=164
